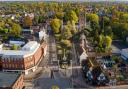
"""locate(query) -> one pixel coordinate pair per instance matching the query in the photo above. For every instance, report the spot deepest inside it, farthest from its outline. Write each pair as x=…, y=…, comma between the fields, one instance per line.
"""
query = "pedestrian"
x=52, y=76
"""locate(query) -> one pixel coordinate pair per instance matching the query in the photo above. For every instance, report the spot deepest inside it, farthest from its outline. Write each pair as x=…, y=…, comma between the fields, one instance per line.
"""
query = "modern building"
x=11, y=80
x=24, y=60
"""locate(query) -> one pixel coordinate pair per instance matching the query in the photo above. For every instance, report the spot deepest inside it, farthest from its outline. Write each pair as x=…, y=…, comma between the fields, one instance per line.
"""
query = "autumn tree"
x=55, y=25
x=27, y=21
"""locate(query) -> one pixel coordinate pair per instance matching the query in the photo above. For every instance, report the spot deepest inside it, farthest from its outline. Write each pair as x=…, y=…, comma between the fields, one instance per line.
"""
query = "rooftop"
x=31, y=45
x=8, y=79
x=27, y=49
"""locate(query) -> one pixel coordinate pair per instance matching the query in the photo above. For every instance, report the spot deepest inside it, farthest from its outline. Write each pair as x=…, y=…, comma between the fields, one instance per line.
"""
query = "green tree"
x=108, y=31
x=106, y=21
x=55, y=25
x=15, y=30
x=2, y=24
x=59, y=15
x=15, y=47
x=71, y=16
x=108, y=41
x=66, y=44
x=93, y=18
x=66, y=34
x=124, y=17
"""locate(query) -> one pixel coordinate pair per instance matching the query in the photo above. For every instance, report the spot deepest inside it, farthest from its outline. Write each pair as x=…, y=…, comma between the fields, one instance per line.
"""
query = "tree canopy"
x=15, y=29
x=55, y=25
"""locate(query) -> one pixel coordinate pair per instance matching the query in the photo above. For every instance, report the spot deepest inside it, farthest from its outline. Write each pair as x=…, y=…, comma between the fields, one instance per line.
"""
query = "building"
x=82, y=54
x=124, y=54
x=11, y=80
x=24, y=60
x=41, y=35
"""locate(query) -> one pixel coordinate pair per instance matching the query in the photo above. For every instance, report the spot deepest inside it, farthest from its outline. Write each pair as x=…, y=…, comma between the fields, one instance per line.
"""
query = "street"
x=70, y=78
x=49, y=64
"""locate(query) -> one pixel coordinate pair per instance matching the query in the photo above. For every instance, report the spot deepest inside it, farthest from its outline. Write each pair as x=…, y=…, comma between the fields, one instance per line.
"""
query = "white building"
x=42, y=34
x=82, y=54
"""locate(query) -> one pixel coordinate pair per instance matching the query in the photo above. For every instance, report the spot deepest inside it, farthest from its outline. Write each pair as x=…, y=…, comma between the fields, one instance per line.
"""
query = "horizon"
x=71, y=0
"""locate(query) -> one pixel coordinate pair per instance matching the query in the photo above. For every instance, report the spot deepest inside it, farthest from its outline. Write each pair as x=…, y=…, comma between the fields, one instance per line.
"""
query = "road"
x=50, y=77
x=70, y=78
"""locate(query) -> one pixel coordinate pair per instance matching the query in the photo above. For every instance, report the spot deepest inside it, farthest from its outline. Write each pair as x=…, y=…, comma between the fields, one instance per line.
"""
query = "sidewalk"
x=34, y=74
x=114, y=87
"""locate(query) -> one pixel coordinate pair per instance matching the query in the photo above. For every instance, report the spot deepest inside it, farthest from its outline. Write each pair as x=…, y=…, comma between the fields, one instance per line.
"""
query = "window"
x=9, y=65
x=6, y=65
x=3, y=65
x=22, y=66
x=15, y=65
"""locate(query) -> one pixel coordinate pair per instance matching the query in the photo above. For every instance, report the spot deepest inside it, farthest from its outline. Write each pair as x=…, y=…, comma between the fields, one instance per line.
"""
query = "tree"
x=124, y=28
x=27, y=21
x=108, y=41
x=93, y=18
x=55, y=25
x=71, y=16
x=105, y=22
x=120, y=30
x=2, y=24
x=124, y=17
x=59, y=15
x=108, y=31
x=5, y=30
x=15, y=30
x=116, y=29
x=66, y=34
x=15, y=47
x=66, y=44
x=36, y=19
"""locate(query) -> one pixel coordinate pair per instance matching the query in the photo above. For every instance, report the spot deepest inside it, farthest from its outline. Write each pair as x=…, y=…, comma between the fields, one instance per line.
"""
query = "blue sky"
x=63, y=0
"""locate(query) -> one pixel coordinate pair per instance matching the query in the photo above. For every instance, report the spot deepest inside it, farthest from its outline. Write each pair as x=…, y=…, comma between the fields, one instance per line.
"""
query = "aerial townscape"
x=63, y=44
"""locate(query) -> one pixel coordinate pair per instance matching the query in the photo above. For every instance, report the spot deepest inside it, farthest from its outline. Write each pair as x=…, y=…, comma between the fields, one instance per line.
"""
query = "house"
x=106, y=63
x=93, y=72
x=41, y=35
x=11, y=80
x=82, y=54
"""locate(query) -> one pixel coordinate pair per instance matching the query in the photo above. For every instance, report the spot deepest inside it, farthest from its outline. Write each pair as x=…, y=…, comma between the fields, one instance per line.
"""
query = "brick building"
x=24, y=60
x=11, y=80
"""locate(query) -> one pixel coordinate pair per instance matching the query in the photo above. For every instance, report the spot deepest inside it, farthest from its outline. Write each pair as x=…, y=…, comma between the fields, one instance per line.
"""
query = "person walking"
x=52, y=75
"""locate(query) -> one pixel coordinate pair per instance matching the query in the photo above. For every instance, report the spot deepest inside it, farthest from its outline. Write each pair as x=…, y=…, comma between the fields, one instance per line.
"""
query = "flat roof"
x=21, y=53
x=31, y=45
x=8, y=79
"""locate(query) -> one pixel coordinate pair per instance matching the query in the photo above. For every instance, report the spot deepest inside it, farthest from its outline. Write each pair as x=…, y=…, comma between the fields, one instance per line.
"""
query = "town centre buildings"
x=24, y=60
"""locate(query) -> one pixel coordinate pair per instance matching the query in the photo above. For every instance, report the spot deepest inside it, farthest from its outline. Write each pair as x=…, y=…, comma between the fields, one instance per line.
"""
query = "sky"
x=63, y=0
